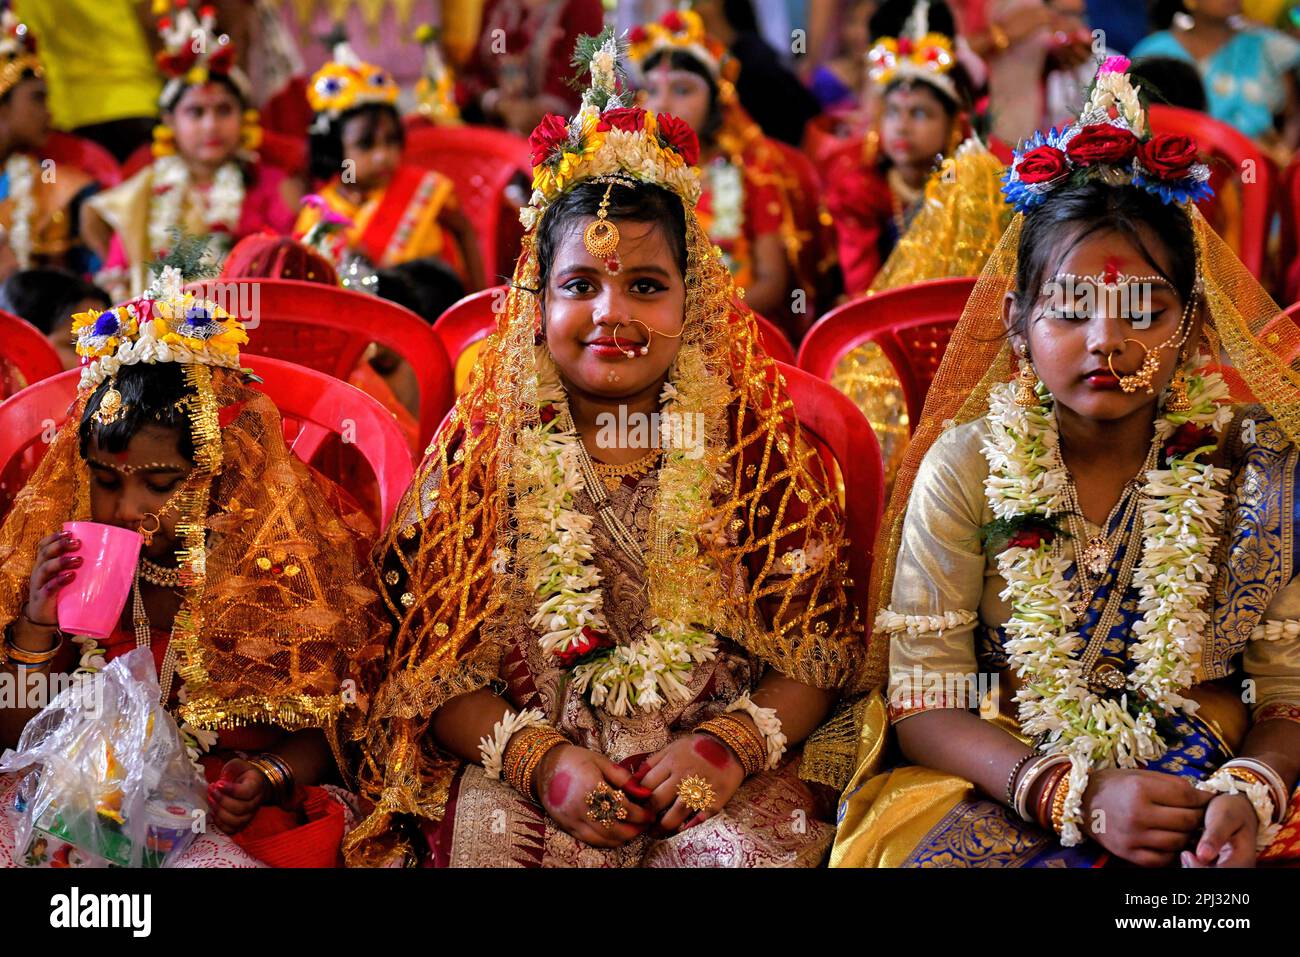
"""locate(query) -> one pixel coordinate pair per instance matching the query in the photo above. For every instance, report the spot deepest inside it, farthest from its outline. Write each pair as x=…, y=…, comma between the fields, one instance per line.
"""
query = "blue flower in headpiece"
x=1025, y=196
x=200, y=323
x=1193, y=188
x=107, y=324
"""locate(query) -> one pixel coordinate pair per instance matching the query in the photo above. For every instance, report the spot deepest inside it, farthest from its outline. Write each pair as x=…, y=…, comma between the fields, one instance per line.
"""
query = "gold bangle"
x=740, y=738
x=21, y=656
x=1061, y=792
x=524, y=753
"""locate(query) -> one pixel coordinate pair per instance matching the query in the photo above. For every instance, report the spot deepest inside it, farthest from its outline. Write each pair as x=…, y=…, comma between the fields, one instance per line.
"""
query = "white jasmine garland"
x=221, y=208
x=769, y=726
x=644, y=674
x=21, y=172
x=1260, y=799
x=727, y=195
x=1181, y=510
x=492, y=748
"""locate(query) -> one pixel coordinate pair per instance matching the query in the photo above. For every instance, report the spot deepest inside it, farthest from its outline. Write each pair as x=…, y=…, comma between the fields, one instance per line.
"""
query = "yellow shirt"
x=97, y=60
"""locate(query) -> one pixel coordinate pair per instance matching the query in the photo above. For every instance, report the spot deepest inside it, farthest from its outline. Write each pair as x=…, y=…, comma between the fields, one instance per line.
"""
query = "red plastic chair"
x=1221, y=142
x=288, y=153
x=774, y=340
x=309, y=402
x=28, y=421
x=306, y=396
x=470, y=320
x=329, y=329
x=85, y=155
x=26, y=352
x=832, y=419
x=481, y=162
x=911, y=325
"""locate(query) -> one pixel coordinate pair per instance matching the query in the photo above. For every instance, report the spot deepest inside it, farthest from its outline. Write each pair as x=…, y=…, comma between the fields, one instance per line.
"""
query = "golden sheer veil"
x=717, y=552
x=1244, y=328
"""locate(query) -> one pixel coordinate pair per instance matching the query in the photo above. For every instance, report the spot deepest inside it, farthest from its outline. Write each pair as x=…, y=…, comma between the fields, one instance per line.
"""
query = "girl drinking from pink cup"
x=248, y=588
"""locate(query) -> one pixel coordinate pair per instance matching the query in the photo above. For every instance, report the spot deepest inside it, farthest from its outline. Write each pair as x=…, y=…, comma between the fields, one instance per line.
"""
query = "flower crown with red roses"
x=193, y=52
x=1112, y=141
x=916, y=54
x=607, y=136
x=682, y=31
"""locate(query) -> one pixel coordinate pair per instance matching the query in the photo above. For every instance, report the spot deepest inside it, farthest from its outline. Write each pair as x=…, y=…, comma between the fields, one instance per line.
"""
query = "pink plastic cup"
x=92, y=602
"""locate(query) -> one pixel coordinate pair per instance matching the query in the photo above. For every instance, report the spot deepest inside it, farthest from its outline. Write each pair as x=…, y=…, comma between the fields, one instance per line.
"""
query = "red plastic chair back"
x=329, y=329
x=85, y=155
x=481, y=162
x=28, y=421
x=470, y=320
x=306, y=396
x=832, y=419
x=774, y=340
x=911, y=324
x=1221, y=142
x=310, y=403
x=26, y=352
x=288, y=153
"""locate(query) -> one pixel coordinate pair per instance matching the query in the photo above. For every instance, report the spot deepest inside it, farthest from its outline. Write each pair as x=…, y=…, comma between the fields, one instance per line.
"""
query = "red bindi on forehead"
x=1111, y=271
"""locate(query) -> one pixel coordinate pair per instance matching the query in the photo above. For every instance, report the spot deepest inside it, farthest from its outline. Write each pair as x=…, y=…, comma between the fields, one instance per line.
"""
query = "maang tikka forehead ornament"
x=601, y=236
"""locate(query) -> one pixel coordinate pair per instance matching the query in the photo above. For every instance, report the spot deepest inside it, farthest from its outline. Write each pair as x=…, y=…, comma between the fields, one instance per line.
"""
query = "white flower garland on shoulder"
x=1181, y=512
x=222, y=206
x=644, y=674
x=21, y=172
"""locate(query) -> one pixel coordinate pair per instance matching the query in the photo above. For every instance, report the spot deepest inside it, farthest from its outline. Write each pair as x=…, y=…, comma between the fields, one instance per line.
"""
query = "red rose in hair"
x=1189, y=436
x=1168, y=155
x=550, y=133
x=1042, y=164
x=629, y=119
x=590, y=641
x=1031, y=538
x=673, y=21
x=637, y=34
x=1102, y=143
x=678, y=134
x=546, y=413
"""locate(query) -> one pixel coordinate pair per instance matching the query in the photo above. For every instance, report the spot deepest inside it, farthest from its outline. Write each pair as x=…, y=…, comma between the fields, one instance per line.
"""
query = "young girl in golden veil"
x=1100, y=555
x=608, y=652
x=250, y=589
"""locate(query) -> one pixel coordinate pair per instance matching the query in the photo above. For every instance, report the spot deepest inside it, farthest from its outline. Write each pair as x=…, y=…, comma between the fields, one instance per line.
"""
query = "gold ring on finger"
x=605, y=805
x=696, y=793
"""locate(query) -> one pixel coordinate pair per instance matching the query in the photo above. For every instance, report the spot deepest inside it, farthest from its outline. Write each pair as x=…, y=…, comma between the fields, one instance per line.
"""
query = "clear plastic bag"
x=109, y=783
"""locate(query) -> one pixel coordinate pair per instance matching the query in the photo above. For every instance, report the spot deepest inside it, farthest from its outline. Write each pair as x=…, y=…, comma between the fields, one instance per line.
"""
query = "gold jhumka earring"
x=1027, y=383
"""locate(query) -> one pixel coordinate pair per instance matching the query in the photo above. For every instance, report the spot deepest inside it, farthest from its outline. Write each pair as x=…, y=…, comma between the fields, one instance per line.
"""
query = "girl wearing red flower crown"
x=1091, y=598
x=610, y=642
x=205, y=178
x=875, y=186
x=388, y=213
x=752, y=205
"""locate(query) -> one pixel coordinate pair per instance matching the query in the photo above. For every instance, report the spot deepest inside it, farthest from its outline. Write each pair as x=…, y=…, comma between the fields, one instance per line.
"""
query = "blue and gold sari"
x=897, y=815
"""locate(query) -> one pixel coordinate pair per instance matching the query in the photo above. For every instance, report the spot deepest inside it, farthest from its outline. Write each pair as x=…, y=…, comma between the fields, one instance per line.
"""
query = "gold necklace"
x=143, y=639
x=613, y=475
x=160, y=575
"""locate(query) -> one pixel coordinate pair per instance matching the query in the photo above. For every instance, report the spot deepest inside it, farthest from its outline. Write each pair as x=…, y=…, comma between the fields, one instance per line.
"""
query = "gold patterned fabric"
x=960, y=220
x=1258, y=341
x=756, y=828
x=267, y=634
x=453, y=615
